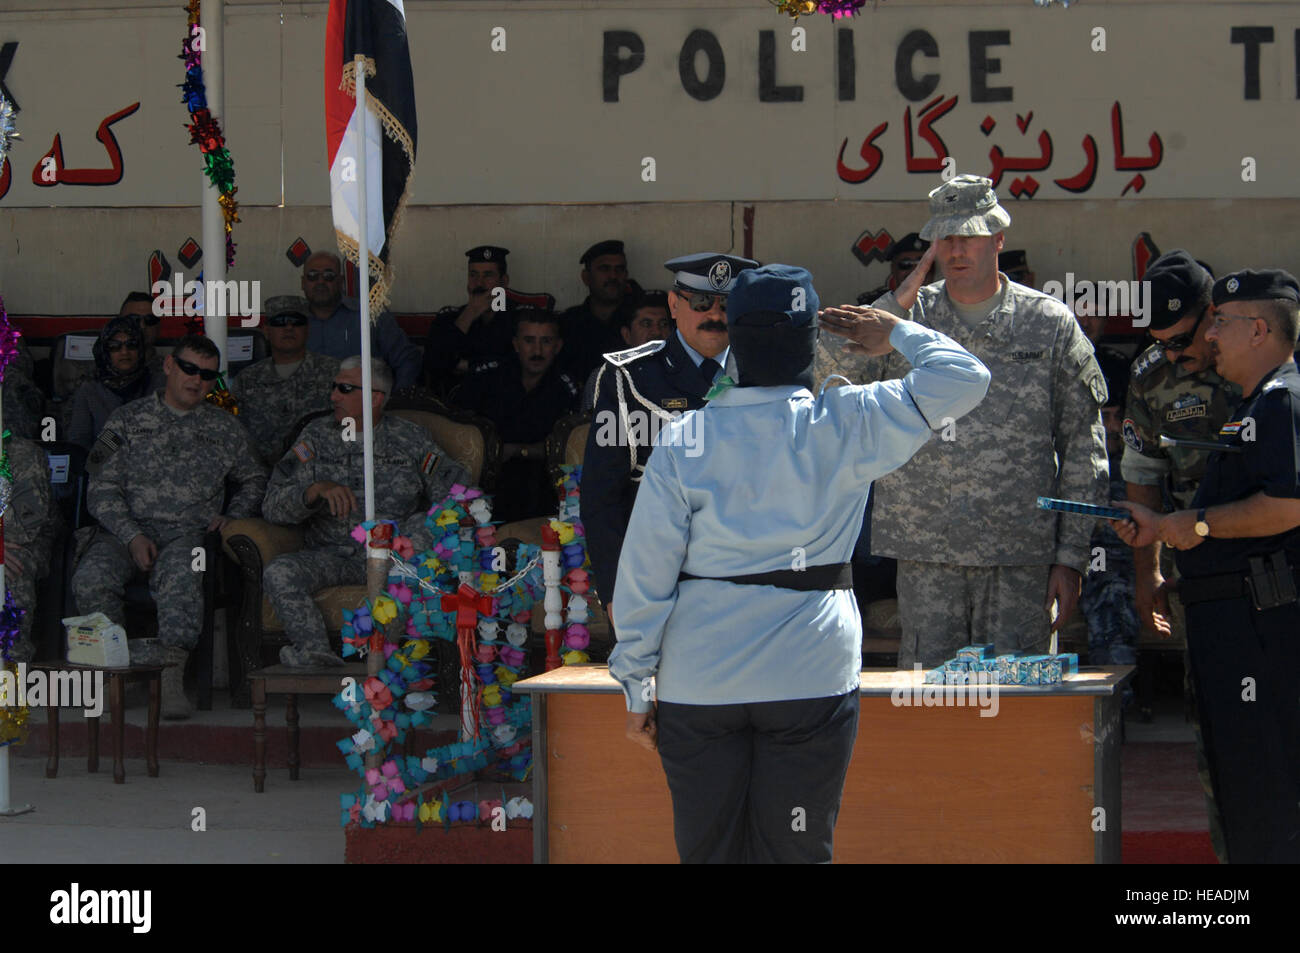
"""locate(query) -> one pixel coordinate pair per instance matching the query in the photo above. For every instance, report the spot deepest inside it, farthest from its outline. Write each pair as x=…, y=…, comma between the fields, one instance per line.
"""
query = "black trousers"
x=1245, y=666
x=757, y=783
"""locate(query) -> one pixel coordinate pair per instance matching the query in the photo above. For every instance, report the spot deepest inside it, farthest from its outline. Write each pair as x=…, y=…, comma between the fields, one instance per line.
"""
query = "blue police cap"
x=773, y=294
x=710, y=272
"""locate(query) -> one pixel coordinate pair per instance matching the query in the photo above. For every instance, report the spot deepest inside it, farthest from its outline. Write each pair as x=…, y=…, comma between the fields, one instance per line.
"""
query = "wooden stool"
x=292, y=682
x=117, y=679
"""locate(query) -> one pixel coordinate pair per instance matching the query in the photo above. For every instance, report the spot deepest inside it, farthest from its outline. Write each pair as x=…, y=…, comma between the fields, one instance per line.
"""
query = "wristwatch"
x=1202, y=528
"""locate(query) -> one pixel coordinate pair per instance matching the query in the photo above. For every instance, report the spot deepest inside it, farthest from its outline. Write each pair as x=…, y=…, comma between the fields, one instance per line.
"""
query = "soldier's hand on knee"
x=642, y=729
x=143, y=551
x=338, y=497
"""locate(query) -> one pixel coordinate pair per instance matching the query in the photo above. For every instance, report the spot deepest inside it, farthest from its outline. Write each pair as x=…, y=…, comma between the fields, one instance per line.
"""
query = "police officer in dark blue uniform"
x=1238, y=551
x=463, y=336
x=524, y=394
x=641, y=388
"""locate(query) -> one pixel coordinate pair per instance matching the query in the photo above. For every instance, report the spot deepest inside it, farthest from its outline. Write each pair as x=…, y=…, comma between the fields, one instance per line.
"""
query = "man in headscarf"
x=121, y=376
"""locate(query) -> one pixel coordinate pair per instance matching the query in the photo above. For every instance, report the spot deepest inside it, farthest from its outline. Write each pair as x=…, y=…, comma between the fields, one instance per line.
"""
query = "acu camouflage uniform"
x=411, y=474
x=1165, y=398
x=961, y=516
x=162, y=473
x=29, y=529
x=270, y=406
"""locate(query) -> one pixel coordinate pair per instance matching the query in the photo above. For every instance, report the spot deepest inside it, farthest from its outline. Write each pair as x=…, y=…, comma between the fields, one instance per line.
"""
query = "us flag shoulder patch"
x=429, y=463
x=302, y=452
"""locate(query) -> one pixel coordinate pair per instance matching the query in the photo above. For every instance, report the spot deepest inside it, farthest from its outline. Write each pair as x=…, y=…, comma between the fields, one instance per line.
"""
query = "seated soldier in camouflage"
x=29, y=529
x=320, y=482
x=157, y=483
x=276, y=393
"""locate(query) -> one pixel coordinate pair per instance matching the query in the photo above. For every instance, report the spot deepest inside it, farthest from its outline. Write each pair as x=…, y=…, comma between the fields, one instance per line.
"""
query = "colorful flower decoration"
x=8, y=132
x=205, y=128
x=459, y=590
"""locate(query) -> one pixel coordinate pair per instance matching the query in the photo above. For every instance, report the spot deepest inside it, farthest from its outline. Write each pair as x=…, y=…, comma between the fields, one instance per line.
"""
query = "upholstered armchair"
x=253, y=543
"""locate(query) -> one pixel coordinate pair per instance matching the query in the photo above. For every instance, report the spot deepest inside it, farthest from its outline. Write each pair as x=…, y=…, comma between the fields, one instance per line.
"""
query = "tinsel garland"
x=205, y=129
x=8, y=131
x=13, y=717
x=833, y=8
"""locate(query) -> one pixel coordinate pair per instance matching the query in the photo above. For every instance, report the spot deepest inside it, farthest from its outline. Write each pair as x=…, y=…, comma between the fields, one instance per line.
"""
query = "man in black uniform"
x=592, y=328
x=462, y=336
x=524, y=394
x=904, y=255
x=1238, y=552
x=640, y=388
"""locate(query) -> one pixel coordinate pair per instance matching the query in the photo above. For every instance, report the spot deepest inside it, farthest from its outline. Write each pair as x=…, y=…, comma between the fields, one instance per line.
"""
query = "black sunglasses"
x=286, y=320
x=192, y=369
x=349, y=388
x=1183, y=341
x=321, y=275
x=702, y=301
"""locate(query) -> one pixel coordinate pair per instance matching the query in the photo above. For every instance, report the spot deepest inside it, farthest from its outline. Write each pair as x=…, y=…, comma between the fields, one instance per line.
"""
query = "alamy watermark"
x=1104, y=299
x=980, y=690
x=220, y=299
x=41, y=689
x=645, y=429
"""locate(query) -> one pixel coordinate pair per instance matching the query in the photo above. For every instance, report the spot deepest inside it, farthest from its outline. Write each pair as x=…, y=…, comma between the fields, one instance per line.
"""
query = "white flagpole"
x=363, y=258
x=212, y=20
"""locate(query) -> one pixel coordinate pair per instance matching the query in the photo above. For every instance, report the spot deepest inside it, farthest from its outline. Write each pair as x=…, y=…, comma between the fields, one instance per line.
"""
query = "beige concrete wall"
x=75, y=261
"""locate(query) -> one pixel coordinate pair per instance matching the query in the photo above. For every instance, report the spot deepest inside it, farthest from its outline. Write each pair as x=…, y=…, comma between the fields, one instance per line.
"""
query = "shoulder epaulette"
x=1273, y=385
x=625, y=357
x=1152, y=357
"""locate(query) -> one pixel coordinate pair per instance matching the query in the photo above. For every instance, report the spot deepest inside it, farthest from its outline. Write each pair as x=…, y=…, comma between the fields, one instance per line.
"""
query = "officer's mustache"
x=713, y=325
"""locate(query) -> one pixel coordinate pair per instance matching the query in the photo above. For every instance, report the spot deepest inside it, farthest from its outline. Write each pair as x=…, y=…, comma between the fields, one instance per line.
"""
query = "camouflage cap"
x=287, y=304
x=965, y=205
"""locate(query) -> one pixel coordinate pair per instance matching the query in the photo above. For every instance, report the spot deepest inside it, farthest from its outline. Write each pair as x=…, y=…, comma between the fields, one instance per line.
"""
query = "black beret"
x=1012, y=260
x=489, y=254
x=1251, y=285
x=611, y=246
x=909, y=242
x=1178, y=282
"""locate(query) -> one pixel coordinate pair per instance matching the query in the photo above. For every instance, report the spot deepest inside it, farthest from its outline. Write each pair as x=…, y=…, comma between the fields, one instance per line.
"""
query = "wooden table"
x=117, y=679
x=926, y=784
x=292, y=682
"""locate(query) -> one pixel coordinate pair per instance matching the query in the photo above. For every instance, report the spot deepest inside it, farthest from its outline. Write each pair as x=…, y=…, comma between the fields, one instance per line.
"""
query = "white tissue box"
x=96, y=640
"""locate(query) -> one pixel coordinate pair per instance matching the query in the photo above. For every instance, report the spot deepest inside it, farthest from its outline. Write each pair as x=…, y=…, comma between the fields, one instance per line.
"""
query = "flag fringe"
x=382, y=275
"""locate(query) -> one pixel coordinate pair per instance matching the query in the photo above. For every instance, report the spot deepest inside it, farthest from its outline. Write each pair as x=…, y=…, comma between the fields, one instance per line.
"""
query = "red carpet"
x=1168, y=847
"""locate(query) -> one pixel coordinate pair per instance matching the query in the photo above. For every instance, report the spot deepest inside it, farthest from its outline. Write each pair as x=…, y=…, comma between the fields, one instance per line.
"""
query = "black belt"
x=812, y=579
x=1236, y=585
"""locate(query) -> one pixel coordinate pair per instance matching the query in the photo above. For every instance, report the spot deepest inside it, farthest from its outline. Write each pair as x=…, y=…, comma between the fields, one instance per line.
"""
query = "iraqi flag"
x=376, y=29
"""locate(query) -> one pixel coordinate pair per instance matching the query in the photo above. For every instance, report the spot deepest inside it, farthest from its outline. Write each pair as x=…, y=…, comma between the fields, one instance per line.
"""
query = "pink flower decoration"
x=359, y=534
x=403, y=547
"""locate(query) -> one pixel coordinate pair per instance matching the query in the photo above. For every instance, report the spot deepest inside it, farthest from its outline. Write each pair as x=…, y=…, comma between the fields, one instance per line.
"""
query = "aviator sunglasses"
x=702, y=301
x=1183, y=341
x=286, y=320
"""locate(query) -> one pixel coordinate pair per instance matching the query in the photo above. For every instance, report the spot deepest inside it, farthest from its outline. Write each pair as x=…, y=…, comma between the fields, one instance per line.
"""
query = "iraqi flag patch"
x=302, y=452
x=429, y=463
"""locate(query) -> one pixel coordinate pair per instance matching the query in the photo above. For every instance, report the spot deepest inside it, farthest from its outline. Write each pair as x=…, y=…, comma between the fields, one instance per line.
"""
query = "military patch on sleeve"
x=1131, y=436
x=302, y=451
x=430, y=463
x=109, y=443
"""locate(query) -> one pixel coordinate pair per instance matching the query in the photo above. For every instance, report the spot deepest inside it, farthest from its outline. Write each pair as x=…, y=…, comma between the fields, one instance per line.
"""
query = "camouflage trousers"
x=943, y=607
x=289, y=582
x=106, y=567
x=1107, y=603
